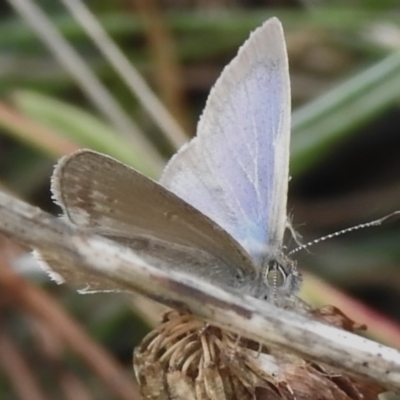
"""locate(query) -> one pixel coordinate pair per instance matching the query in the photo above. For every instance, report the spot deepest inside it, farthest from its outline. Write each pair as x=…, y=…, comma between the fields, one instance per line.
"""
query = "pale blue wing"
x=236, y=170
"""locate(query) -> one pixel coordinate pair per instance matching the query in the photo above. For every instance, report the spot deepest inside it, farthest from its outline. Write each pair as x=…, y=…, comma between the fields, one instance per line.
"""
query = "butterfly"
x=219, y=212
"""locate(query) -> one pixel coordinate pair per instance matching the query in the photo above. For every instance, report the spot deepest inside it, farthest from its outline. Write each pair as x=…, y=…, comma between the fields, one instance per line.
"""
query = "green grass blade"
x=80, y=127
x=324, y=122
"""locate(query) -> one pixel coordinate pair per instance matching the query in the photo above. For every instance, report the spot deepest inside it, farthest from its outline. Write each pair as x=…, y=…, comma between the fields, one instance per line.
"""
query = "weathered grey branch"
x=251, y=318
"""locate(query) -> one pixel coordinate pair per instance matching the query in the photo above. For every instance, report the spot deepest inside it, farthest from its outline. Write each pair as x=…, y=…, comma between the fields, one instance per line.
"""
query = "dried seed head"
x=187, y=359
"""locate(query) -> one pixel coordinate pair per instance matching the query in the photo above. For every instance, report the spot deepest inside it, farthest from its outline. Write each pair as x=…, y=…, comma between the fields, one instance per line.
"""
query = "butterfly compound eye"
x=275, y=275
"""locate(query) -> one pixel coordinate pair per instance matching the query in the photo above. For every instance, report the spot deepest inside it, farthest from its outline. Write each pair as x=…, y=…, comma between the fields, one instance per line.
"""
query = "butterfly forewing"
x=236, y=170
x=110, y=199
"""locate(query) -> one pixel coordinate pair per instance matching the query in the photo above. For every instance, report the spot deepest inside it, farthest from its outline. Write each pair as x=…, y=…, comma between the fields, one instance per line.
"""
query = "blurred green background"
x=60, y=92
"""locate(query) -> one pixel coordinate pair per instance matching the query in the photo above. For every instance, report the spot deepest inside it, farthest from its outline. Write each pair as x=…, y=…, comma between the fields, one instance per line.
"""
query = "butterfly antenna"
x=377, y=222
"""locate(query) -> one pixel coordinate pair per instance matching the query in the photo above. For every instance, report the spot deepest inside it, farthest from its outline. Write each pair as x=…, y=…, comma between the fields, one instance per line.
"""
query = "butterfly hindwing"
x=108, y=198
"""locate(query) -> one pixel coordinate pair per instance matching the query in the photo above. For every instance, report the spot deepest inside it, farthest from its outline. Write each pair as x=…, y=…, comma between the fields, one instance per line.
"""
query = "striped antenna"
x=377, y=222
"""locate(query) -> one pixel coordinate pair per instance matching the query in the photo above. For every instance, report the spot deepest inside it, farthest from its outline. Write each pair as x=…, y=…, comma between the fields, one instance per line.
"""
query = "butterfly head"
x=280, y=279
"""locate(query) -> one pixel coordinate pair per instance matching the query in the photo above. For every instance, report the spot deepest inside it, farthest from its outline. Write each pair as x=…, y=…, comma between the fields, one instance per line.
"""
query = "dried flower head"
x=187, y=359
